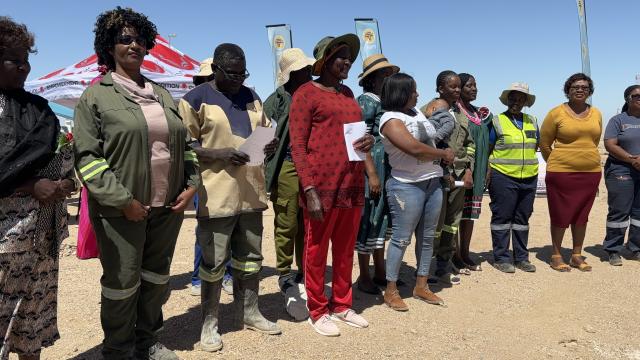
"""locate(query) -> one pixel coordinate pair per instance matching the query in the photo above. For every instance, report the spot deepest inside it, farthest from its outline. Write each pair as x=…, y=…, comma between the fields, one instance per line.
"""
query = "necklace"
x=475, y=118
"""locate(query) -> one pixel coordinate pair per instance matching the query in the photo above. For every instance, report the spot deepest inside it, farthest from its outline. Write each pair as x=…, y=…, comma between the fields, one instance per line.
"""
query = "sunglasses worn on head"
x=235, y=77
x=128, y=39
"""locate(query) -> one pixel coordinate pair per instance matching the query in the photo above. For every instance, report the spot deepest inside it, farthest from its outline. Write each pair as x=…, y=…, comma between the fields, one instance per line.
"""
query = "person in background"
x=461, y=142
x=333, y=186
x=220, y=115
x=374, y=225
x=284, y=185
x=204, y=75
x=414, y=190
x=141, y=175
x=569, y=138
x=478, y=122
x=34, y=182
x=622, y=177
x=513, y=178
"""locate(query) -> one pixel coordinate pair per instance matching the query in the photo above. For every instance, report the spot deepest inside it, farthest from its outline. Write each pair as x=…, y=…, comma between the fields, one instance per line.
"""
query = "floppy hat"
x=519, y=87
x=205, y=68
x=320, y=50
x=373, y=63
x=291, y=60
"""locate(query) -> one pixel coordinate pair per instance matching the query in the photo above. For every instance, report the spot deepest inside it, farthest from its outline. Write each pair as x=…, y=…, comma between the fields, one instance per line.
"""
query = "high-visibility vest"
x=514, y=153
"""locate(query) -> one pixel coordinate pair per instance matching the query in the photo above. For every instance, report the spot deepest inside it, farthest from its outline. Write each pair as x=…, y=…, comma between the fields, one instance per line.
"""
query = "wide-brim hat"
x=373, y=63
x=292, y=60
x=520, y=87
x=206, y=68
x=328, y=42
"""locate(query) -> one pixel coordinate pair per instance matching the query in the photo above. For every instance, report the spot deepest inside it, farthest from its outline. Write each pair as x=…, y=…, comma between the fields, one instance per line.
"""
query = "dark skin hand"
x=314, y=206
x=45, y=190
x=135, y=211
x=229, y=156
x=183, y=200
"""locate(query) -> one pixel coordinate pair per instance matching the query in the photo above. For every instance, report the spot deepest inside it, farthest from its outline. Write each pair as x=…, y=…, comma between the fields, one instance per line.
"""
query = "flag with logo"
x=369, y=35
x=279, y=39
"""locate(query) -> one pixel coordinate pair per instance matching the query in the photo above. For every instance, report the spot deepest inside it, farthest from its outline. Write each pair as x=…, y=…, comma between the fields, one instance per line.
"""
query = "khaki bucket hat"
x=520, y=87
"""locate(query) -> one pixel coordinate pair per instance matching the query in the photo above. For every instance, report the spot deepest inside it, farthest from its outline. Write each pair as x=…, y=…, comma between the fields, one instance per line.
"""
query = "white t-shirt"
x=404, y=167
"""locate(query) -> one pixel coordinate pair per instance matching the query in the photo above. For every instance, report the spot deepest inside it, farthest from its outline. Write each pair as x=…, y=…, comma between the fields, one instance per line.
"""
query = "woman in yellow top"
x=569, y=140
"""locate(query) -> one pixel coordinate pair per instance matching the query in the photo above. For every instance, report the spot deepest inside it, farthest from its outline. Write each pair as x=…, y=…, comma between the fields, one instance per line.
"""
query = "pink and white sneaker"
x=350, y=318
x=324, y=326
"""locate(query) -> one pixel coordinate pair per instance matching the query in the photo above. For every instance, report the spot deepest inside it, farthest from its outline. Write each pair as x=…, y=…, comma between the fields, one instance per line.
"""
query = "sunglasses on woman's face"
x=128, y=40
x=635, y=97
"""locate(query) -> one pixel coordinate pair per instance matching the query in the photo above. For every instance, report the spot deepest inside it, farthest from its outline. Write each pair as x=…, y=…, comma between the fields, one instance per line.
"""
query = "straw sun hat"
x=291, y=60
x=373, y=63
x=519, y=87
x=320, y=50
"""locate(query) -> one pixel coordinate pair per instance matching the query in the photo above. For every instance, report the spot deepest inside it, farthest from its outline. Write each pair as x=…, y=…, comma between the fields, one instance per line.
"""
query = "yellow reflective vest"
x=514, y=153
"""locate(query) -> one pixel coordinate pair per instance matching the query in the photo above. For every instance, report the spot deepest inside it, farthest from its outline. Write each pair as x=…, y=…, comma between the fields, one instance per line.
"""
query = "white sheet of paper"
x=458, y=183
x=255, y=143
x=353, y=132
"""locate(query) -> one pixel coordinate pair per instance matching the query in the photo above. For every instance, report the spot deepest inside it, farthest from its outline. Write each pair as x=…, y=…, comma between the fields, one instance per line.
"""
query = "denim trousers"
x=414, y=208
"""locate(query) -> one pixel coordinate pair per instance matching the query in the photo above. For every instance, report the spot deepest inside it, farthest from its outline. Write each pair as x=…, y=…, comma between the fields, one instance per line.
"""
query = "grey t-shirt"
x=626, y=129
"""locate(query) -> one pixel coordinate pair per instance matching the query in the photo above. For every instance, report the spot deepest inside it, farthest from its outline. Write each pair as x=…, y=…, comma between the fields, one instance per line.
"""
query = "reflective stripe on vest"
x=515, y=153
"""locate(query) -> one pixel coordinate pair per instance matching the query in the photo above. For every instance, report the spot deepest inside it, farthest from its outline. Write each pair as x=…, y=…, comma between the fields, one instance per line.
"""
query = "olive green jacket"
x=112, y=151
x=276, y=107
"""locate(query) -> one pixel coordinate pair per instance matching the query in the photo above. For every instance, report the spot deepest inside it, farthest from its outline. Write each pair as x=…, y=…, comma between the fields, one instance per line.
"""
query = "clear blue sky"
x=498, y=41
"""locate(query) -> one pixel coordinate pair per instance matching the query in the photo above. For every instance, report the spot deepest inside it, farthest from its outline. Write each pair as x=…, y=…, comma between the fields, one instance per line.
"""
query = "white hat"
x=205, y=68
x=519, y=87
x=292, y=59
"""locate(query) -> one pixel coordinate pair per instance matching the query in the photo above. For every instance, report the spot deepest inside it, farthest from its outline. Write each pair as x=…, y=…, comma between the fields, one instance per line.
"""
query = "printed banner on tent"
x=279, y=39
x=164, y=65
x=369, y=35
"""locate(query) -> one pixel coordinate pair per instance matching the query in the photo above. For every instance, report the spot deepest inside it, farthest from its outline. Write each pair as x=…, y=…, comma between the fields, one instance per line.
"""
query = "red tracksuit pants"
x=340, y=225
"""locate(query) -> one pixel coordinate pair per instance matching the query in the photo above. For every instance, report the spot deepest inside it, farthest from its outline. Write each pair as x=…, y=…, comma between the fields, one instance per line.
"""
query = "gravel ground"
x=491, y=315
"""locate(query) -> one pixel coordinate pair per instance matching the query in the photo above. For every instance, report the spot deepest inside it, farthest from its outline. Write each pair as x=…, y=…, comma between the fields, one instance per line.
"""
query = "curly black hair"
x=14, y=35
x=577, y=77
x=109, y=26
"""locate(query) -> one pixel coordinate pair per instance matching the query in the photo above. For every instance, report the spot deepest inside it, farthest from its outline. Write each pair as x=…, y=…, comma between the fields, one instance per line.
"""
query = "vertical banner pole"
x=369, y=35
x=279, y=39
x=584, y=42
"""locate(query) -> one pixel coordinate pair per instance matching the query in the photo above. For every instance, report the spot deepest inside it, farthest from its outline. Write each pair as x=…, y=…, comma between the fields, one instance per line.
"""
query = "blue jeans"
x=414, y=208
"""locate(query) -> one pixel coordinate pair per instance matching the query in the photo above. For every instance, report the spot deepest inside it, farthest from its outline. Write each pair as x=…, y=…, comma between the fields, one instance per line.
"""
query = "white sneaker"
x=324, y=326
x=195, y=290
x=294, y=303
x=350, y=317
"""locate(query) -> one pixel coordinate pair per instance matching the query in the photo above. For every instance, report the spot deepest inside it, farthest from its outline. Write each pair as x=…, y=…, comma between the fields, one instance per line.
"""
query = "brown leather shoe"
x=421, y=292
x=393, y=300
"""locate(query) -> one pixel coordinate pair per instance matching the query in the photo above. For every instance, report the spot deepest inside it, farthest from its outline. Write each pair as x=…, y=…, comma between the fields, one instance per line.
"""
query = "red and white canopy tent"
x=165, y=65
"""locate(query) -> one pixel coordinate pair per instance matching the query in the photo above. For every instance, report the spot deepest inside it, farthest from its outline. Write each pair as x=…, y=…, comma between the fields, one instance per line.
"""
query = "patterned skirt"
x=375, y=224
x=28, y=302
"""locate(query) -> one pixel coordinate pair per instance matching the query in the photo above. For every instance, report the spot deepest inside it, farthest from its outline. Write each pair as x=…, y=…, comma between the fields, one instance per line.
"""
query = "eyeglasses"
x=634, y=97
x=128, y=39
x=234, y=77
x=583, y=88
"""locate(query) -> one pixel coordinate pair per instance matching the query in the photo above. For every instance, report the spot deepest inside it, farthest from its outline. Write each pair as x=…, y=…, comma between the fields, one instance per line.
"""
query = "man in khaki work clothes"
x=220, y=115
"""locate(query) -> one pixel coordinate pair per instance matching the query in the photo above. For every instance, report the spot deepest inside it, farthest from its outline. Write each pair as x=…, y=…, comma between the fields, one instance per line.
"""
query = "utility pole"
x=170, y=36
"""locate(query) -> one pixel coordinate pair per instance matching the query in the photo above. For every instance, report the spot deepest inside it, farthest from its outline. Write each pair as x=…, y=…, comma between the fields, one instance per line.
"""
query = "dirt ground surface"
x=491, y=315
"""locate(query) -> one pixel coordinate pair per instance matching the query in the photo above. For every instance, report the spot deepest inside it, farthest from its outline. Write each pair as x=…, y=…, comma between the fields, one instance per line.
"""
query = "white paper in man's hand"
x=255, y=143
x=353, y=132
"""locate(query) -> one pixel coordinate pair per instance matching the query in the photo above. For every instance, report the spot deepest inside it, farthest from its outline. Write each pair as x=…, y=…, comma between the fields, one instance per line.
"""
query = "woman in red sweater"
x=333, y=186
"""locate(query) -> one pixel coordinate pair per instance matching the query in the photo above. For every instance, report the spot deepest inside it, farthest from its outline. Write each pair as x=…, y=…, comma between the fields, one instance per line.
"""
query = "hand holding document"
x=255, y=143
x=353, y=132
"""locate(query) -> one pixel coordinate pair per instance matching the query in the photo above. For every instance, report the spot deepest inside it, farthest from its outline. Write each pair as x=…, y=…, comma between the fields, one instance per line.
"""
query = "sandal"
x=582, y=265
x=559, y=266
x=471, y=265
x=460, y=267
